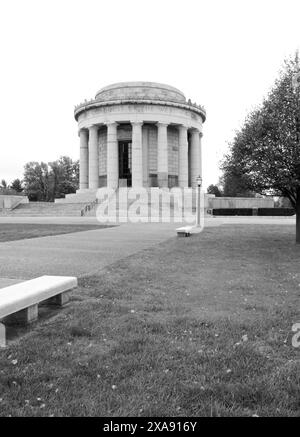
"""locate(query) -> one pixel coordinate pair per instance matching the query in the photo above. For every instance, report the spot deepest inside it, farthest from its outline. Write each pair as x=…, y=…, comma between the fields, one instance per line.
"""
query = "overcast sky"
x=224, y=55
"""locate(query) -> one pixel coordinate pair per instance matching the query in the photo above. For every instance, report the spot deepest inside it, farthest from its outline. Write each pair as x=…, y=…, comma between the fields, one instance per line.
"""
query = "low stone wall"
x=8, y=201
x=240, y=202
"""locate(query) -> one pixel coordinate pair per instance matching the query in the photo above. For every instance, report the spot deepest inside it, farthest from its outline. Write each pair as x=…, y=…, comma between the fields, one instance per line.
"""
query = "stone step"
x=78, y=198
x=36, y=209
x=64, y=207
x=88, y=196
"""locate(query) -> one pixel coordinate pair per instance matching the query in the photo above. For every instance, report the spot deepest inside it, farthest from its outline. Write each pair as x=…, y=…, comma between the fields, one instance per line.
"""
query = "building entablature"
x=92, y=104
x=140, y=113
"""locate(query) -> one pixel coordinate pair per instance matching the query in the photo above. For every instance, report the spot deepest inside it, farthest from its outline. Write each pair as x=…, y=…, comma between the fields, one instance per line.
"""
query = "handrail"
x=89, y=207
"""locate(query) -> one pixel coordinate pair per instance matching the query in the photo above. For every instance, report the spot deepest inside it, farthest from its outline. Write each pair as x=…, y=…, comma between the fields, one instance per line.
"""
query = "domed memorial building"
x=139, y=134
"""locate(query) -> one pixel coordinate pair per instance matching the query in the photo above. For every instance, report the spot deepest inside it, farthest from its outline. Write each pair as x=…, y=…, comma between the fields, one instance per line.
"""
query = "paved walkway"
x=77, y=253
x=82, y=253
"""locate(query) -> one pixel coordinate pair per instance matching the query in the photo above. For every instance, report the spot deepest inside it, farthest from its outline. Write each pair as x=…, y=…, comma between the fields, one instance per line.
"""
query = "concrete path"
x=82, y=253
x=77, y=253
x=209, y=221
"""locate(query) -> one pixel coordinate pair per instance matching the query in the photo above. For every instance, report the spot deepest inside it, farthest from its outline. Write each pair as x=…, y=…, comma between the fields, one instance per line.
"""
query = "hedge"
x=254, y=211
x=232, y=211
x=276, y=211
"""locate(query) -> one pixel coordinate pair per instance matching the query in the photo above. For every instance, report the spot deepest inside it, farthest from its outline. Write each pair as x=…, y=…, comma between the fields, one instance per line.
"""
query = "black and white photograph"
x=150, y=212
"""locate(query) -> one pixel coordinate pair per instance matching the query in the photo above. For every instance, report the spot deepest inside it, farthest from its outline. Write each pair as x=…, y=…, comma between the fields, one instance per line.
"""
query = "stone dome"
x=140, y=91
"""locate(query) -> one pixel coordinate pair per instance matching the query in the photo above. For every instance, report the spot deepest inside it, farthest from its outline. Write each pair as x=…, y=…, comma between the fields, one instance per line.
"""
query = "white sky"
x=222, y=54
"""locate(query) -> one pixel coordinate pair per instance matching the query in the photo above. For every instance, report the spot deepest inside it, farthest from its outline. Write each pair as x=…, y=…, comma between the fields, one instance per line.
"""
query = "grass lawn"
x=197, y=326
x=21, y=231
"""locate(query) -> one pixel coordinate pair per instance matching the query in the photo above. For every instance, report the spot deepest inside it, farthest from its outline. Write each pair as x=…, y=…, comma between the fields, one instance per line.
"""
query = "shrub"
x=232, y=211
x=276, y=211
x=254, y=211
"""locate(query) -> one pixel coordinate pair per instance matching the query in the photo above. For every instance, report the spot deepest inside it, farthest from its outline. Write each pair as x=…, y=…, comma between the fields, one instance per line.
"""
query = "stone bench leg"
x=183, y=234
x=26, y=316
x=60, y=300
x=2, y=335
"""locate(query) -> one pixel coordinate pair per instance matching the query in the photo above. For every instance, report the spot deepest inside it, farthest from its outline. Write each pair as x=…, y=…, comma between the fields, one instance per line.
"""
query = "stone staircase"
x=81, y=196
x=85, y=204
x=46, y=209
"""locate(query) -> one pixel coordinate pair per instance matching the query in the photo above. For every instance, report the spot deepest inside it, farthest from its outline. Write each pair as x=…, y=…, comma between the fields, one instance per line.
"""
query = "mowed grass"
x=197, y=326
x=22, y=231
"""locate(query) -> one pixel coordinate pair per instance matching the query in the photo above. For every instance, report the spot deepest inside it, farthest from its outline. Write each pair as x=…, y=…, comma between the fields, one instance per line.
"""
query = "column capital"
x=94, y=127
x=136, y=123
x=83, y=130
x=111, y=123
x=162, y=124
x=182, y=127
x=201, y=134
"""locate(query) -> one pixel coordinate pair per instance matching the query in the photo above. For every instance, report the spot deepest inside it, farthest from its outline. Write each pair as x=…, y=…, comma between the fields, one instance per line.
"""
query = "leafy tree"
x=16, y=185
x=266, y=151
x=36, y=180
x=76, y=173
x=214, y=189
x=234, y=182
x=3, y=184
x=45, y=182
x=64, y=176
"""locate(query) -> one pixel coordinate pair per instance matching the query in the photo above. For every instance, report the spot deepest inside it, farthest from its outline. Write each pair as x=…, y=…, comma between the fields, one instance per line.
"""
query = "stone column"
x=93, y=158
x=137, y=154
x=162, y=155
x=84, y=160
x=145, y=148
x=112, y=156
x=195, y=157
x=183, y=164
x=200, y=153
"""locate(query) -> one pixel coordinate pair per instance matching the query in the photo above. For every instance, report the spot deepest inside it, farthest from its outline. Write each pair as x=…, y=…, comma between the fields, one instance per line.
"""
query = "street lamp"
x=199, y=183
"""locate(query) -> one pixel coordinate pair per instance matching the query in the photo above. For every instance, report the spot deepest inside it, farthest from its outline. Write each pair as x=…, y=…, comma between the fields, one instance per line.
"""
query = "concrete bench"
x=19, y=302
x=184, y=231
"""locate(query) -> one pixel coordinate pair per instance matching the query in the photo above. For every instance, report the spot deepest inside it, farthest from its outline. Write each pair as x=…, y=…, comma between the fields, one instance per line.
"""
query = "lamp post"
x=199, y=183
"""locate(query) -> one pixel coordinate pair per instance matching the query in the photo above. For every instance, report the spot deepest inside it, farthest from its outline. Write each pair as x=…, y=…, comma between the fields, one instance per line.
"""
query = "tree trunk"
x=298, y=216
